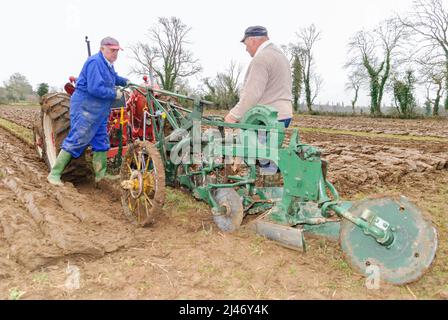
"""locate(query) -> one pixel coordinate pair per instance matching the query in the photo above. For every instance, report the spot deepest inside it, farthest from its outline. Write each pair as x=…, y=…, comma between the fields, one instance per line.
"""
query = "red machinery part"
x=70, y=86
x=137, y=105
x=133, y=119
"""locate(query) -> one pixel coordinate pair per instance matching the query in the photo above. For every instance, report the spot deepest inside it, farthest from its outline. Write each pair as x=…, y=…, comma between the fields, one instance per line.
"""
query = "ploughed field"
x=49, y=235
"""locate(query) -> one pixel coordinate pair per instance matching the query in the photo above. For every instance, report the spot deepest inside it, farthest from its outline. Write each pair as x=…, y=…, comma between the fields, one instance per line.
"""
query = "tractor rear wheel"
x=38, y=138
x=55, y=124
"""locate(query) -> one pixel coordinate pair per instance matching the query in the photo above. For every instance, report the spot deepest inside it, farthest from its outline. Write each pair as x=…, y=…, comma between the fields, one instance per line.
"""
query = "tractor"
x=160, y=138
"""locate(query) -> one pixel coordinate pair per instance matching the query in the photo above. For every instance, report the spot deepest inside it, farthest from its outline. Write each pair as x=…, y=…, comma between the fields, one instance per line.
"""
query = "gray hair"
x=260, y=37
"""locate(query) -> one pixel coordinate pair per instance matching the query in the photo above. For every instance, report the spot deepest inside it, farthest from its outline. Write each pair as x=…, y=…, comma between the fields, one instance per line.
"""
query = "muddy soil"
x=50, y=236
x=41, y=223
x=419, y=127
x=24, y=116
x=426, y=127
x=360, y=164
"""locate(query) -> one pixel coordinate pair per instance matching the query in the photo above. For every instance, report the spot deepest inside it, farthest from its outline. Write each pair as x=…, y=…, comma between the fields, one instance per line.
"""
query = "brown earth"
x=431, y=127
x=24, y=116
x=46, y=231
x=360, y=164
x=424, y=127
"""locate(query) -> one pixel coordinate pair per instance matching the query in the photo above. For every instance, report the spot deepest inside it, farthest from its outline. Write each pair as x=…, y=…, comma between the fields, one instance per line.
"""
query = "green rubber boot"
x=61, y=162
x=99, y=161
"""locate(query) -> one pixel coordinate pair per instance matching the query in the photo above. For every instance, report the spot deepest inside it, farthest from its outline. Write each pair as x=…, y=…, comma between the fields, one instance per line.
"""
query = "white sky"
x=44, y=39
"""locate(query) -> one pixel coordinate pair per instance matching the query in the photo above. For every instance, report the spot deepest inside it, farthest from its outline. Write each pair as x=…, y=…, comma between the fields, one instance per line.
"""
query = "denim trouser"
x=269, y=167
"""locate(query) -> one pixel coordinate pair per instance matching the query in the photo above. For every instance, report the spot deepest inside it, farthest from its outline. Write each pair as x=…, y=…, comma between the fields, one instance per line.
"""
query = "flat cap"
x=255, y=31
x=111, y=43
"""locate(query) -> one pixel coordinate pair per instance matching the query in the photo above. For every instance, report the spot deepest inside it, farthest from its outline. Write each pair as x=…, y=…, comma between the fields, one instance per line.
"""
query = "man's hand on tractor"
x=230, y=119
x=128, y=83
x=119, y=94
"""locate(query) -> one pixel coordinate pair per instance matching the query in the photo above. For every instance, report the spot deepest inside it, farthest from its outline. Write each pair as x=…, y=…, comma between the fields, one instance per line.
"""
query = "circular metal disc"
x=231, y=200
x=410, y=254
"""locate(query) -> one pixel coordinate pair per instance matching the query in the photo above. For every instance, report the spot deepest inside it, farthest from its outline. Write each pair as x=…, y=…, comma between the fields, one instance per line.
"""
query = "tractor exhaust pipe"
x=88, y=46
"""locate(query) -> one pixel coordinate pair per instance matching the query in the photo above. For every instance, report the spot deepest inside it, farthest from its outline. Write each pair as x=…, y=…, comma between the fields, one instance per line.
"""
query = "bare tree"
x=316, y=84
x=356, y=79
x=432, y=75
x=145, y=56
x=375, y=51
x=303, y=51
x=223, y=89
x=429, y=20
x=169, y=58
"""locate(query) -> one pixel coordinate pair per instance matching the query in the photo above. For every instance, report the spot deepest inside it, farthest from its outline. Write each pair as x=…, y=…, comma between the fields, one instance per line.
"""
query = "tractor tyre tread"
x=57, y=107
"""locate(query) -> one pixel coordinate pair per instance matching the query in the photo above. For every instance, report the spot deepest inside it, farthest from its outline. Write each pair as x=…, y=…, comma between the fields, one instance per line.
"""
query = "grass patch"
x=22, y=133
x=372, y=135
x=40, y=278
x=182, y=202
x=256, y=247
x=208, y=270
x=292, y=270
x=15, y=294
x=145, y=285
x=342, y=266
x=15, y=106
x=129, y=262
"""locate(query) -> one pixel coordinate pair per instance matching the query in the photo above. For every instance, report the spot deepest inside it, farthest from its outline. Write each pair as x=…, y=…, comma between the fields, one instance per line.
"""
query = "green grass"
x=372, y=135
x=256, y=246
x=40, y=278
x=22, y=133
x=129, y=262
x=15, y=294
x=30, y=105
x=208, y=270
x=183, y=202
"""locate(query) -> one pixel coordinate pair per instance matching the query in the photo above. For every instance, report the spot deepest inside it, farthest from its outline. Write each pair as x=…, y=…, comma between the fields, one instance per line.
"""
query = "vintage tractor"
x=223, y=164
x=125, y=123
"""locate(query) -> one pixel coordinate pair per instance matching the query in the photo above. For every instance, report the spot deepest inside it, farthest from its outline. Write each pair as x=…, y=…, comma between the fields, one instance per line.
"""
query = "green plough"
x=257, y=167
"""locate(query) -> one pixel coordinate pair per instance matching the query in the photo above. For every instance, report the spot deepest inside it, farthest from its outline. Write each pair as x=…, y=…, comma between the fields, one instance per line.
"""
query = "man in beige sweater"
x=268, y=79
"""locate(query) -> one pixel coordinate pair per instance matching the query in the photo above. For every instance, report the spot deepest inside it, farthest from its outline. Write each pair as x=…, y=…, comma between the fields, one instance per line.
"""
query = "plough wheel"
x=410, y=254
x=231, y=220
x=143, y=181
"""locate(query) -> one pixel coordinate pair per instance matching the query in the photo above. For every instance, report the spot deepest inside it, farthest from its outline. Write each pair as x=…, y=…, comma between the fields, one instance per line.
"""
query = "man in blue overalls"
x=89, y=111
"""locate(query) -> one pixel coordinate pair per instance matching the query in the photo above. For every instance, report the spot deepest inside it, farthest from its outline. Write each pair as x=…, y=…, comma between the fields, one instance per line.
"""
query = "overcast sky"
x=44, y=39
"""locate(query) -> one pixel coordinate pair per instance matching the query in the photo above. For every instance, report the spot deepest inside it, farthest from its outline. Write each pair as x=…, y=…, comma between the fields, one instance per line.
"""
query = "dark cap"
x=255, y=31
x=111, y=43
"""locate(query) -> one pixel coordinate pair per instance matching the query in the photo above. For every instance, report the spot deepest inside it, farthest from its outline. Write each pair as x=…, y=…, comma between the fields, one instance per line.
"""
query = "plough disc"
x=231, y=220
x=410, y=254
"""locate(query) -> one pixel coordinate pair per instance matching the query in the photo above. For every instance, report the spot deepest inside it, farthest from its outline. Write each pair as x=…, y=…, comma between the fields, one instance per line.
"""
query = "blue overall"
x=90, y=106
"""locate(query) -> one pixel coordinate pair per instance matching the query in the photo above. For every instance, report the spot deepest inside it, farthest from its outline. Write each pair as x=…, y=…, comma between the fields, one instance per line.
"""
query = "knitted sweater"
x=268, y=81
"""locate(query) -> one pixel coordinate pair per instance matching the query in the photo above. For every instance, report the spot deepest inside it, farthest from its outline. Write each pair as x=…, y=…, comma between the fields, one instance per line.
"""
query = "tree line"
x=400, y=54
x=18, y=89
